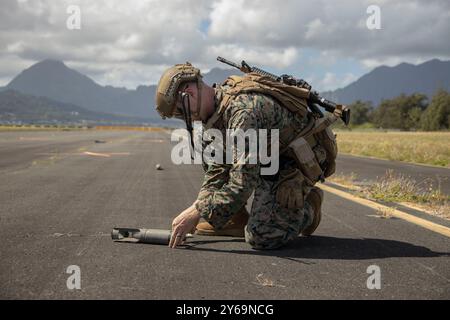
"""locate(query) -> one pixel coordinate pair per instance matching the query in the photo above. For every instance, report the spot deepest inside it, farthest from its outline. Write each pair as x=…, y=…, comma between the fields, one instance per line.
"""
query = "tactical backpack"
x=314, y=147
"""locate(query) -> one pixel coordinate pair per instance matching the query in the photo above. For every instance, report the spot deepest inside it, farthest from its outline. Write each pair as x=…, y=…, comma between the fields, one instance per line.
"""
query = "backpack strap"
x=224, y=103
x=290, y=97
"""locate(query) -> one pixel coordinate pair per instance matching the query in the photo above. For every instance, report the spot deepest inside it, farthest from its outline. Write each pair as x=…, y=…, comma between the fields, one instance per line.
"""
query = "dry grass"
x=398, y=188
x=345, y=180
x=39, y=128
x=70, y=128
x=266, y=282
x=418, y=147
x=131, y=128
x=386, y=213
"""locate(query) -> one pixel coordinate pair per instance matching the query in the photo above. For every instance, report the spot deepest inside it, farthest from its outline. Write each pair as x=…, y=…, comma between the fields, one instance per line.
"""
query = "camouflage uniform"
x=227, y=187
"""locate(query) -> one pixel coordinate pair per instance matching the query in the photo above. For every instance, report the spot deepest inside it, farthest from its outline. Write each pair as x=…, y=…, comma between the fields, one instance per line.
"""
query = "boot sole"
x=310, y=230
x=317, y=218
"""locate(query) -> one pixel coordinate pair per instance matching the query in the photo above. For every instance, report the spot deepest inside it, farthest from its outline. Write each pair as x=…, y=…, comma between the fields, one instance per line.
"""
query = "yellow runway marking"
x=395, y=213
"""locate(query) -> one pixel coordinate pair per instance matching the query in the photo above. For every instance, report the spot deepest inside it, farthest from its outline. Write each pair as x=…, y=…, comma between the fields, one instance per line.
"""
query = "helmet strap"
x=188, y=119
x=187, y=113
x=199, y=98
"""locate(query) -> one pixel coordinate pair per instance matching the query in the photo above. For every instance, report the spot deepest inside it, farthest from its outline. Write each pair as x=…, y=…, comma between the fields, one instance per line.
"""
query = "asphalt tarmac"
x=61, y=193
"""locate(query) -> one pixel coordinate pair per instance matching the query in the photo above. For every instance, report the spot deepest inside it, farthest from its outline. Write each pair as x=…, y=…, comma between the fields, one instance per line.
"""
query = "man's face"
x=191, y=90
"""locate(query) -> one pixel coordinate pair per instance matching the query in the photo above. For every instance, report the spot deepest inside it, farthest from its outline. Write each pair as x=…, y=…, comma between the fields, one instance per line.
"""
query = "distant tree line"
x=405, y=112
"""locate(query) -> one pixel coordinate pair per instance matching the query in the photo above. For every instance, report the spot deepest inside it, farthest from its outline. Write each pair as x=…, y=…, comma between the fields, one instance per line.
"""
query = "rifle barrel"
x=228, y=62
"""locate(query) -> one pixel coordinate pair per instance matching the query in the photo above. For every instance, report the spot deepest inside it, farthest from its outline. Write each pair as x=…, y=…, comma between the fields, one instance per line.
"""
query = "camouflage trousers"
x=271, y=226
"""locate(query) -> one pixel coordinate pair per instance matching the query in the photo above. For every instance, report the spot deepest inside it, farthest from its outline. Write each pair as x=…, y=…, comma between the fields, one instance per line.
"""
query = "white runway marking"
x=97, y=154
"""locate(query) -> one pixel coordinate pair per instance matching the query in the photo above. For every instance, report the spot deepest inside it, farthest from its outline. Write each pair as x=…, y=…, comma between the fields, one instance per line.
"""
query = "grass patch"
x=345, y=180
x=417, y=147
x=398, y=188
x=386, y=213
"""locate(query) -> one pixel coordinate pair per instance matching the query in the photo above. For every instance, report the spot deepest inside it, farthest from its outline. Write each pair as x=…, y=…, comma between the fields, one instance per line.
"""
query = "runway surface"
x=61, y=193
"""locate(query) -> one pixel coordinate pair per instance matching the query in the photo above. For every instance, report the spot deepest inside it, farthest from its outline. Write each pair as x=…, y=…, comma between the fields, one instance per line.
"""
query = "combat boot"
x=314, y=198
x=233, y=228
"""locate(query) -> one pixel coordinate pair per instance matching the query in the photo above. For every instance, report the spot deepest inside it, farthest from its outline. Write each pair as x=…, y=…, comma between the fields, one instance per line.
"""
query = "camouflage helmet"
x=167, y=90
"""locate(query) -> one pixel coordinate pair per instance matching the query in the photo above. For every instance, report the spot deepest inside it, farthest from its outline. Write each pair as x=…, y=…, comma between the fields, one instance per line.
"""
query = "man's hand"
x=182, y=225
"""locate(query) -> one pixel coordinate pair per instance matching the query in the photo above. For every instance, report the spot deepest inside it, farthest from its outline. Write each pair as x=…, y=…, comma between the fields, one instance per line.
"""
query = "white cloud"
x=332, y=81
x=125, y=42
x=336, y=26
x=280, y=58
x=11, y=64
x=325, y=58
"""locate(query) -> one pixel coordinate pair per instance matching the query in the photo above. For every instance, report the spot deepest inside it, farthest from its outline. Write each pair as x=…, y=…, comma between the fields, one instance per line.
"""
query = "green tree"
x=360, y=112
x=402, y=112
x=437, y=115
x=413, y=119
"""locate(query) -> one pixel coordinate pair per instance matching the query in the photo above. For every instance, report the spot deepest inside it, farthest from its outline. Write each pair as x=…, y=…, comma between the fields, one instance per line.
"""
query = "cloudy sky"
x=127, y=43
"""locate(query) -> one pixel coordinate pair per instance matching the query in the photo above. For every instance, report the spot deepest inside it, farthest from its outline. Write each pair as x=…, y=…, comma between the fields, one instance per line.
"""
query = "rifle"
x=314, y=97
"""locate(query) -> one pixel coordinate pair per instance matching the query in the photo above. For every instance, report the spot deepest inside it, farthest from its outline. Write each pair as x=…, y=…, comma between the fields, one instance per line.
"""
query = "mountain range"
x=20, y=107
x=388, y=82
x=55, y=81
